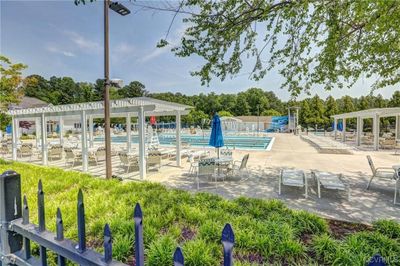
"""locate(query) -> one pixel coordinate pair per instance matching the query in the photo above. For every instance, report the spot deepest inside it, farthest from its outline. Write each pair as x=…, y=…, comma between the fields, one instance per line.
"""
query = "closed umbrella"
x=216, y=138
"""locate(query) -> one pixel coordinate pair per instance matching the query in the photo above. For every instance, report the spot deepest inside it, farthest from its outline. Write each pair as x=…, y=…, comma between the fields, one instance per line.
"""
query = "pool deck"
x=289, y=151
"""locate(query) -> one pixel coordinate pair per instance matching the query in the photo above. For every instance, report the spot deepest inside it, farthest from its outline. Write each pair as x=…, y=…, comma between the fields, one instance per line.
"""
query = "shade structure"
x=216, y=138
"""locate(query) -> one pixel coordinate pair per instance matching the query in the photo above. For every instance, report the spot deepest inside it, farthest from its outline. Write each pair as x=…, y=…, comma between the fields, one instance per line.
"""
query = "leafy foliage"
x=264, y=229
x=311, y=43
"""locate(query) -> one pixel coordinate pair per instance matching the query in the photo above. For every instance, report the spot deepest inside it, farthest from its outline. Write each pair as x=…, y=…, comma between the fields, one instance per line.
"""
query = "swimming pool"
x=233, y=142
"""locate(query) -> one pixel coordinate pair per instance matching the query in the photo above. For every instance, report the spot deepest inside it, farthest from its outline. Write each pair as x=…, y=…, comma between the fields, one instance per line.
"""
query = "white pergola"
x=139, y=107
x=376, y=115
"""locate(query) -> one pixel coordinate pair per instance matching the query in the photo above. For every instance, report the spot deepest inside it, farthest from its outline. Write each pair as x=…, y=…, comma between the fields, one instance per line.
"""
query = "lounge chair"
x=330, y=181
x=55, y=151
x=26, y=149
x=387, y=143
x=239, y=167
x=294, y=178
x=72, y=157
x=194, y=165
x=100, y=154
x=129, y=161
x=384, y=173
x=206, y=168
x=5, y=149
x=154, y=159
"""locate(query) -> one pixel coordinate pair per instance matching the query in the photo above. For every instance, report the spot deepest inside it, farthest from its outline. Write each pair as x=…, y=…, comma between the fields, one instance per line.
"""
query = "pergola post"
x=397, y=127
x=128, y=133
x=84, y=142
x=90, y=131
x=359, y=130
x=37, y=133
x=344, y=130
x=14, y=138
x=43, y=134
x=335, y=127
x=376, y=130
x=178, y=138
x=142, y=151
x=61, y=129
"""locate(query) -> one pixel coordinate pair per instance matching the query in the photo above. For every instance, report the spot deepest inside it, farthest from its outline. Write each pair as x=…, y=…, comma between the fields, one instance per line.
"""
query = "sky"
x=57, y=38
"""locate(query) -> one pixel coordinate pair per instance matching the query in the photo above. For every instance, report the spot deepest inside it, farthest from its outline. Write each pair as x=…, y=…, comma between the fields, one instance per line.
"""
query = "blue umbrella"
x=216, y=138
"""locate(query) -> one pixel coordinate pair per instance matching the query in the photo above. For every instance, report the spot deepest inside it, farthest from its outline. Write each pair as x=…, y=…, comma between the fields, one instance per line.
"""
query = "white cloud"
x=83, y=43
x=56, y=50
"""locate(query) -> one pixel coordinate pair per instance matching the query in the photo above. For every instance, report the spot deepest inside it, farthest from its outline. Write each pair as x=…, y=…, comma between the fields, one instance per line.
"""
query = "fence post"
x=139, y=248
x=228, y=240
x=10, y=209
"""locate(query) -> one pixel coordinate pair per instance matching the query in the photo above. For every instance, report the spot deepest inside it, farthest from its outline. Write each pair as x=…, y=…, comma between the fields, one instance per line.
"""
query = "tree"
x=331, y=108
x=242, y=107
x=305, y=113
x=317, y=116
x=195, y=117
x=133, y=89
x=224, y=113
x=256, y=100
x=395, y=100
x=347, y=105
x=11, y=84
x=271, y=112
x=317, y=42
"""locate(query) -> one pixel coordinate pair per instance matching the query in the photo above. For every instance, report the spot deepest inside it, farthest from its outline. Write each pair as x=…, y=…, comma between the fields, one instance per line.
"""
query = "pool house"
x=84, y=113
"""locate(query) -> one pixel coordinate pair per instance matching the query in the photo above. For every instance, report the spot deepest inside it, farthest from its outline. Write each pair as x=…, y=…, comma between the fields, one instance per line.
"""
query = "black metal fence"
x=17, y=232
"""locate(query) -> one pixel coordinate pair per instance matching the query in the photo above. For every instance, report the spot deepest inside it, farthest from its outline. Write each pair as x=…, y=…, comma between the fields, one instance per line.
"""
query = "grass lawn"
x=266, y=231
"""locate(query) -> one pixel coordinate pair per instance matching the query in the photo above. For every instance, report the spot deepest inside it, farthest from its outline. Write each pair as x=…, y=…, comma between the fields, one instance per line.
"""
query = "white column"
x=344, y=130
x=61, y=129
x=142, y=151
x=376, y=129
x=14, y=138
x=37, y=128
x=335, y=127
x=178, y=138
x=84, y=141
x=90, y=131
x=43, y=135
x=359, y=131
x=398, y=127
x=128, y=133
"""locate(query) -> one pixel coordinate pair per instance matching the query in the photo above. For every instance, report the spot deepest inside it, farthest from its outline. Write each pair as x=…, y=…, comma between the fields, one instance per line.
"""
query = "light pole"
x=123, y=11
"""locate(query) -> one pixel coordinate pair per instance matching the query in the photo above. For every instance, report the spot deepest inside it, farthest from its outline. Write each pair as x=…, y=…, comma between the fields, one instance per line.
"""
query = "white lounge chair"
x=293, y=178
x=239, y=168
x=384, y=173
x=330, y=181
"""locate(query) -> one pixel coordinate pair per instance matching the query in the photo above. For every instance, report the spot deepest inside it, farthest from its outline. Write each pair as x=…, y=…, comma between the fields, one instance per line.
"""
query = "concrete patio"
x=288, y=151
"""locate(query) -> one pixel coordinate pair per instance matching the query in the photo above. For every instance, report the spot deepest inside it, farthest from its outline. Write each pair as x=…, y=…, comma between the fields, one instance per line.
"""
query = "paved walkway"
x=290, y=151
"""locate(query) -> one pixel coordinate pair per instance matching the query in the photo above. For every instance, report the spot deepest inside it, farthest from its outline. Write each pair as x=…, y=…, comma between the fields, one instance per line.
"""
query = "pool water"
x=234, y=142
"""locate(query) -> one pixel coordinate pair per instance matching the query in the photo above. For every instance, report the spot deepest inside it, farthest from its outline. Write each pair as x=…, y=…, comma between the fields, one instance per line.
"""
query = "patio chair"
x=100, y=154
x=226, y=153
x=330, y=181
x=194, y=165
x=388, y=143
x=239, y=167
x=72, y=157
x=55, y=151
x=5, y=149
x=293, y=178
x=26, y=149
x=384, y=173
x=206, y=168
x=154, y=159
x=129, y=161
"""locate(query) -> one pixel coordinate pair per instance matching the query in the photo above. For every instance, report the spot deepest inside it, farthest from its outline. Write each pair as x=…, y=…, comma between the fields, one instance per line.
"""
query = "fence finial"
x=178, y=257
x=228, y=241
x=139, y=247
x=107, y=244
x=25, y=211
x=59, y=226
x=81, y=223
x=41, y=211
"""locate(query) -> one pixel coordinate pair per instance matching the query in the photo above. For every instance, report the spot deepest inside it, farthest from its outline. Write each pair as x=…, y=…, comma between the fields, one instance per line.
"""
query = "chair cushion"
x=385, y=174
